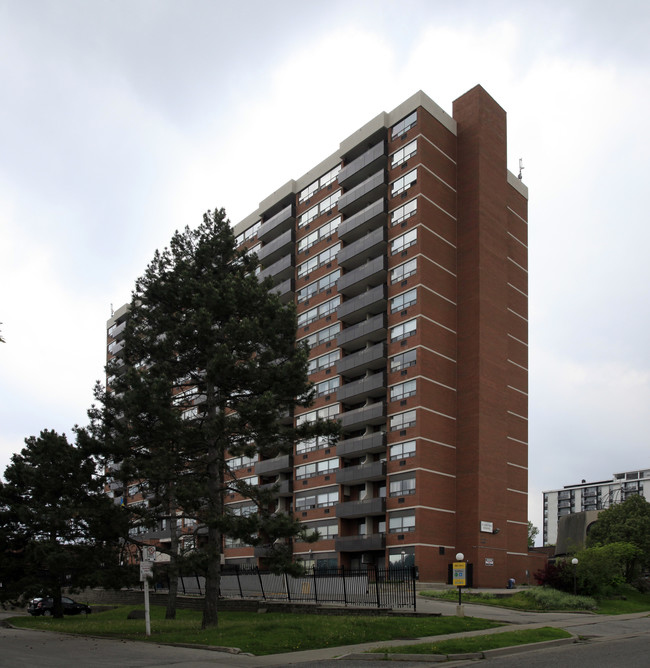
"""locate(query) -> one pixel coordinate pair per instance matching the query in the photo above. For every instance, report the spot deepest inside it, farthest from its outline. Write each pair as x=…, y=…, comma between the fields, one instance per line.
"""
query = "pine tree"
x=59, y=528
x=212, y=371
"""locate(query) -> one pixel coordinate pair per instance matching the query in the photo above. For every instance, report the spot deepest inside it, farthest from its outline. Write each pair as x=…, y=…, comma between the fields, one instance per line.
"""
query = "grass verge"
x=538, y=599
x=259, y=634
x=480, y=643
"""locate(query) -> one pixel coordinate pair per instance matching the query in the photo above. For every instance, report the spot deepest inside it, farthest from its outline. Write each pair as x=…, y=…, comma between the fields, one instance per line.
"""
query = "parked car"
x=45, y=607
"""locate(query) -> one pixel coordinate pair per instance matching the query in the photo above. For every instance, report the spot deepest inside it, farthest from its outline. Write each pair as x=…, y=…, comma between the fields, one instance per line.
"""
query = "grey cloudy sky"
x=124, y=120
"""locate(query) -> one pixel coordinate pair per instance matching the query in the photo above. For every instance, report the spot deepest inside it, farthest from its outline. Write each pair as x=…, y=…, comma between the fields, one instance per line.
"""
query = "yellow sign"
x=459, y=573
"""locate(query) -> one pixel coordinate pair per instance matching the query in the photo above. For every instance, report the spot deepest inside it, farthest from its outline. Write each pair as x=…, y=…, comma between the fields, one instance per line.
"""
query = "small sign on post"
x=459, y=573
x=146, y=571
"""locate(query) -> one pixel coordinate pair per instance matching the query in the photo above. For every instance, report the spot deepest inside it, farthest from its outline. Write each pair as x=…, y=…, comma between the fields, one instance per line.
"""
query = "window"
x=318, y=312
x=403, y=360
x=402, y=421
x=311, y=444
x=327, y=386
x=403, y=390
x=320, y=285
x=323, y=182
x=402, y=450
x=402, y=523
x=404, y=153
x=249, y=233
x=324, y=361
x=325, y=413
x=402, y=487
x=242, y=462
x=322, y=336
x=403, y=301
x=322, y=232
x=316, y=468
x=321, y=500
x=242, y=509
x=404, y=241
x=404, y=183
x=404, y=212
x=403, y=331
x=404, y=271
x=323, y=206
x=405, y=124
x=319, y=260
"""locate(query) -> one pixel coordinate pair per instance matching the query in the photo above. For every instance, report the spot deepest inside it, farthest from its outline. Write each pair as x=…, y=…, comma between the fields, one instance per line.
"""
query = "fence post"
x=286, y=584
x=315, y=579
x=259, y=577
x=345, y=591
x=377, y=585
x=198, y=583
x=413, y=580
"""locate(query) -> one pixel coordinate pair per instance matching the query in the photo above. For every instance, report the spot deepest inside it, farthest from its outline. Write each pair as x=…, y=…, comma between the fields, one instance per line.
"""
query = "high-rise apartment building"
x=405, y=253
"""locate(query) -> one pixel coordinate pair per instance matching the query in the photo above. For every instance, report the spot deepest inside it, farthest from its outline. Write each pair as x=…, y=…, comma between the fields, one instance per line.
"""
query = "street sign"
x=146, y=570
x=459, y=573
x=149, y=553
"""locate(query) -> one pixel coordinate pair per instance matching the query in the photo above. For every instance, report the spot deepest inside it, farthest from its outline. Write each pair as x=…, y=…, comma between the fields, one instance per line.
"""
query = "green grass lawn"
x=268, y=633
x=480, y=643
x=544, y=599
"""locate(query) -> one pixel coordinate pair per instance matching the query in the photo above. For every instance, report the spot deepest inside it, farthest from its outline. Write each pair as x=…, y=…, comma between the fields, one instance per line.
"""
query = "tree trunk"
x=170, y=612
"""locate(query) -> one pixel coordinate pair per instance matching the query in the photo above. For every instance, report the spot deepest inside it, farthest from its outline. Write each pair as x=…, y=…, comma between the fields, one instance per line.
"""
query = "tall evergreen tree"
x=59, y=528
x=212, y=370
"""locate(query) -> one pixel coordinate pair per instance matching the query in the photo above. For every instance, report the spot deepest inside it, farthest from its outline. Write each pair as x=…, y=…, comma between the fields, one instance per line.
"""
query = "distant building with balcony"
x=589, y=496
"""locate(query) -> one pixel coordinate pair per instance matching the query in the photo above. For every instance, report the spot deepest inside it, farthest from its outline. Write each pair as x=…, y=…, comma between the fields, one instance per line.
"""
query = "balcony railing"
x=372, y=330
x=371, y=386
x=362, y=250
x=277, y=224
x=365, y=508
x=375, y=541
x=360, y=196
x=374, y=414
x=366, y=220
x=274, y=250
x=366, y=276
x=372, y=358
x=269, y=467
x=279, y=271
x=352, y=475
x=362, y=167
x=373, y=443
x=371, y=302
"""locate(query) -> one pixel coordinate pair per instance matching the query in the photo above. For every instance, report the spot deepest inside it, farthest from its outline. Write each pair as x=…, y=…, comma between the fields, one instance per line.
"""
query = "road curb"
x=439, y=658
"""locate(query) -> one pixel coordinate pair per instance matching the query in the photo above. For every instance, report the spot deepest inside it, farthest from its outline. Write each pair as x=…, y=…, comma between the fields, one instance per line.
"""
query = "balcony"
x=374, y=414
x=274, y=250
x=375, y=541
x=372, y=330
x=372, y=358
x=365, y=508
x=362, y=250
x=270, y=467
x=367, y=220
x=366, y=276
x=362, y=167
x=285, y=291
x=355, y=310
x=119, y=329
x=284, y=487
x=277, y=224
x=279, y=271
x=355, y=475
x=366, y=192
x=374, y=443
x=360, y=390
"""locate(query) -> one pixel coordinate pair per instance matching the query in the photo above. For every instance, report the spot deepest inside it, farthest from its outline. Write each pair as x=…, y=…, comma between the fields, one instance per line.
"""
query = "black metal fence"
x=374, y=587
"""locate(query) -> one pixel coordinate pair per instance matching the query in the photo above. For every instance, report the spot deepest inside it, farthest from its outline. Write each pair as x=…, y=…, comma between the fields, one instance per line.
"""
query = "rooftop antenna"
x=521, y=167
x=112, y=312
